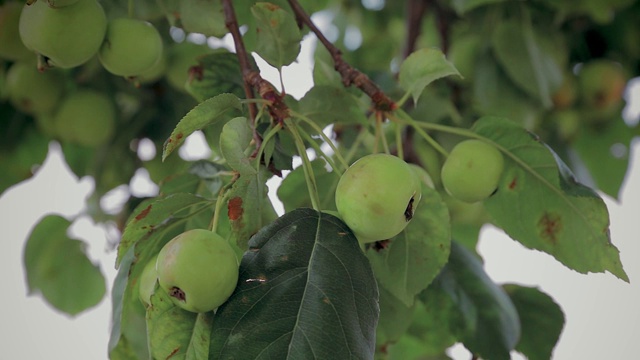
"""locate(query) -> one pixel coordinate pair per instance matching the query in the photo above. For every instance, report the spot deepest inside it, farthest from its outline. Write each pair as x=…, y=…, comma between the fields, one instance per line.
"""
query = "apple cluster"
x=198, y=269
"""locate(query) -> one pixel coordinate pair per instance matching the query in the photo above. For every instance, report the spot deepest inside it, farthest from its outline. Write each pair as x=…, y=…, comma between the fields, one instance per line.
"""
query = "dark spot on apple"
x=513, y=183
x=550, y=226
x=177, y=293
x=408, y=212
x=143, y=214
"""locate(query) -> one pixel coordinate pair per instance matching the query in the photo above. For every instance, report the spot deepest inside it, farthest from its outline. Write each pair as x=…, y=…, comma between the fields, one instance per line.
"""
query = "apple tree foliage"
x=542, y=81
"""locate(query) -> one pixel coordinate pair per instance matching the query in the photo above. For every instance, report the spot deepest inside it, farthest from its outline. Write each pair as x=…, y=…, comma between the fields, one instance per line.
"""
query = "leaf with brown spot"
x=278, y=36
x=205, y=113
x=540, y=203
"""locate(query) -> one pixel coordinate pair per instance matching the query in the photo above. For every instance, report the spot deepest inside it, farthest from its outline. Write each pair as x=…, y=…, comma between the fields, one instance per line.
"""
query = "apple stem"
x=326, y=139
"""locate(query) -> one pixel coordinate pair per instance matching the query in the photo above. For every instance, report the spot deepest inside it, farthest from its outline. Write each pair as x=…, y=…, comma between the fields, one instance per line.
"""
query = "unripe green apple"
x=86, y=117
x=198, y=269
x=182, y=57
x=601, y=84
x=472, y=170
x=32, y=91
x=130, y=47
x=68, y=36
x=147, y=281
x=377, y=196
x=423, y=175
x=11, y=47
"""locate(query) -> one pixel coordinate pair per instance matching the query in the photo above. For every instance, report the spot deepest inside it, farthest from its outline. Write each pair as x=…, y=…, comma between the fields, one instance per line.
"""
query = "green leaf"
x=57, y=266
x=409, y=262
x=205, y=113
x=249, y=208
x=21, y=161
x=293, y=190
x=604, y=150
x=216, y=74
x=234, y=140
x=495, y=94
x=540, y=204
x=329, y=104
x=395, y=318
x=488, y=321
x=423, y=67
x=202, y=16
x=463, y=6
x=176, y=333
x=151, y=216
x=278, y=36
x=541, y=320
x=527, y=60
x=305, y=291
x=128, y=339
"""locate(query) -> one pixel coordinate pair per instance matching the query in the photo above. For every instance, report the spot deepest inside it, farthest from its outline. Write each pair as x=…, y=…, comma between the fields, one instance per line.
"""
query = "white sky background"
x=602, y=312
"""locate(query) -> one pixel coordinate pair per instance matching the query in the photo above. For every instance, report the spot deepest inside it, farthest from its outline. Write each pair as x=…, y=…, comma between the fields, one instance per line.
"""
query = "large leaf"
x=527, y=60
x=305, y=291
x=176, y=333
x=541, y=320
x=278, y=36
x=539, y=203
x=408, y=263
x=329, y=104
x=423, y=67
x=58, y=267
x=156, y=214
x=234, y=141
x=605, y=152
x=205, y=113
x=487, y=322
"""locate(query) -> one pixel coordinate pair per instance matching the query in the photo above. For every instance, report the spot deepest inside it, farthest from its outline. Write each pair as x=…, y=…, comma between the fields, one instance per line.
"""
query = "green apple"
x=66, y=37
x=11, y=47
x=182, y=57
x=198, y=269
x=423, y=175
x=32, y=91
x=147, y=281
x=472, y=170
x=601, y=84
x=86, y=117
x=130, y=47
x=377, y=196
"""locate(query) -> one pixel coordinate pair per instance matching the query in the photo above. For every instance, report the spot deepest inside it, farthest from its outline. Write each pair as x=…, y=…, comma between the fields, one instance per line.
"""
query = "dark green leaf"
x=216, y=74
x=160, y=213
x=527, y=60
x=539, y=203
x=278, y=36
x=412, y=259
x=605, y=152
x=423, y=67
x=234, y=140
x=58, y=267
x=541, y=320
x=202, y=115
x=395, y=318
x=21, y=162
x=489, y=325
x=328, y=104
x=305, y=291
x=204, y=17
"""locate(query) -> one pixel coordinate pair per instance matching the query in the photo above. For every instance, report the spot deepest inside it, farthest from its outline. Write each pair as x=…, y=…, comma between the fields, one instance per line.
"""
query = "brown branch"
x=350, y=76
x=414, y=15
x=252, y=79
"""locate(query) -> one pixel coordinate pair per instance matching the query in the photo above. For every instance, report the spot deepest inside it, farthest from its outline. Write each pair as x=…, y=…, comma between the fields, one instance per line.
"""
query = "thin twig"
x=350, y=76
x=252, y=79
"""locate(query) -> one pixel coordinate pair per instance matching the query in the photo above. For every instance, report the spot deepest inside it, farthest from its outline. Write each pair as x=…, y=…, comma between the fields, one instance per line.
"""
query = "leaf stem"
x=324, y=137
x=318, y=150
x=399, y=144
x=417, y=126
x=266, y=140
x=223, y=195
x=306, y=165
